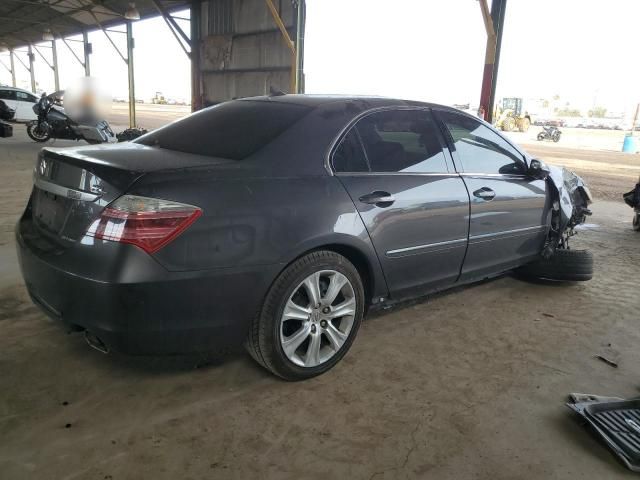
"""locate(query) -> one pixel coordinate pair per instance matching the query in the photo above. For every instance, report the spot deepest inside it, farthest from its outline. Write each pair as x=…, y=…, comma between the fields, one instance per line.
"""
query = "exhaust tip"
x=95, y=342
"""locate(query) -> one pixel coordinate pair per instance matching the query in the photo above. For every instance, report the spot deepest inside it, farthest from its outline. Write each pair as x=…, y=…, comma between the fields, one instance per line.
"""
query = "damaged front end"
x=632, y=199
x=571, y=199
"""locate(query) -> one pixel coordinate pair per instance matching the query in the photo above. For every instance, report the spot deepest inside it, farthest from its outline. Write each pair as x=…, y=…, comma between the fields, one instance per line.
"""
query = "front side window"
x=402, y=141
x=479, y=149
x=22, y=97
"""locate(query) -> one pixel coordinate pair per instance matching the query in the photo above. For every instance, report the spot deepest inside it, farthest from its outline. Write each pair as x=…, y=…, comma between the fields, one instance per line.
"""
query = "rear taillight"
x=149, y=223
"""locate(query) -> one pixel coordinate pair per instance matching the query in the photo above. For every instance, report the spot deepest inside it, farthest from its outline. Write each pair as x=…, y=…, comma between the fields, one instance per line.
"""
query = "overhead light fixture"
x=132, y=12
x=47, y=36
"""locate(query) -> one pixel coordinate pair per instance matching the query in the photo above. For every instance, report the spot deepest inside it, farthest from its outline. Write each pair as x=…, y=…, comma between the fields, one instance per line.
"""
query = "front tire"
x=310, y=317
x=563, y=265
x=38, y=133
x=636, y=222
x=540, y=137
x=509, y=124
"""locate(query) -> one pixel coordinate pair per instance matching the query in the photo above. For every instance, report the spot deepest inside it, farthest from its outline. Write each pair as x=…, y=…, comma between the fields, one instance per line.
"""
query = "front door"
x=414, y=205
x=24, y=106
x=509, y=214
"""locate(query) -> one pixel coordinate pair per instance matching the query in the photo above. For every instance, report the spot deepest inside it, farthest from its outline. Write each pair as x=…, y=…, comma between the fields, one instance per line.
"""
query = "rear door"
x=509, y=214
x=394, y=166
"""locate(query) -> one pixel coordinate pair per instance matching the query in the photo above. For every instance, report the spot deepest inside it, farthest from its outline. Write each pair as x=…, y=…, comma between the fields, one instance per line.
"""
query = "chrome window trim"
x=495, y=175
x=452, y=243
x=508, y=232
x=336, y=141
x=426, y=246
x=379, y=174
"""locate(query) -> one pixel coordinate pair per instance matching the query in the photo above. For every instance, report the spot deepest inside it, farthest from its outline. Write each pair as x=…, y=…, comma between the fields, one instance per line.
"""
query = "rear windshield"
x=232, y=130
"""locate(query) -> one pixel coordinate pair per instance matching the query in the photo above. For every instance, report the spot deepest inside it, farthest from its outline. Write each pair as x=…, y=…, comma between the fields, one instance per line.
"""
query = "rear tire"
x=275, y=334
x=563, y=265
x=636, y=222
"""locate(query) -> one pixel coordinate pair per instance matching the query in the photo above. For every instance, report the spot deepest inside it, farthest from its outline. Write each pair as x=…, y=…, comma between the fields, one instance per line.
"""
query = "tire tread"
x=563, y=265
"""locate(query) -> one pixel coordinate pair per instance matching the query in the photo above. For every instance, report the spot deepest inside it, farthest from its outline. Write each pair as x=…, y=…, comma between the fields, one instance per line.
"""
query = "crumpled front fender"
x=573, y=196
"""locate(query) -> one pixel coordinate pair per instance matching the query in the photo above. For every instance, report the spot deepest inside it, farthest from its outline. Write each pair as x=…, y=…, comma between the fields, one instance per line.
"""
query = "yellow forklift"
x=159, y=99
x=511, y=115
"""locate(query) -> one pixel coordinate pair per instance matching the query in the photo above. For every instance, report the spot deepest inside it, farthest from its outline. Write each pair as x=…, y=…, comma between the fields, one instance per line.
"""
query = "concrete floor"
x=468, y=384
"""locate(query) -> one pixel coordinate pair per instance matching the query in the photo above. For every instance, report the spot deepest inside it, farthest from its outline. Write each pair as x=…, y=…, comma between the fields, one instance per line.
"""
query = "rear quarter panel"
x=258, y=221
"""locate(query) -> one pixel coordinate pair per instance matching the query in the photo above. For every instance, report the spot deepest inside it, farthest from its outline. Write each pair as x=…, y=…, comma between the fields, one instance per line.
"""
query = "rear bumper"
x=133, y=305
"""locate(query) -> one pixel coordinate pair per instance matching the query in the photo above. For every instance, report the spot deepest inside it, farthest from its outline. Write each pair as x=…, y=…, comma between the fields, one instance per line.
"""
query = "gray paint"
x=260, y=214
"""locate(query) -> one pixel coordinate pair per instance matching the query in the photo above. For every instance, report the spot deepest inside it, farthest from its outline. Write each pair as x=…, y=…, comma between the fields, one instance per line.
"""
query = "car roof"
x=8, y=87
x=314, y=100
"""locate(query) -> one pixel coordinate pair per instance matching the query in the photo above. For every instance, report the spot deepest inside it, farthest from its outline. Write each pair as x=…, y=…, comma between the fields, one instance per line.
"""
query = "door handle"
x=485, y=193
x=378, y=198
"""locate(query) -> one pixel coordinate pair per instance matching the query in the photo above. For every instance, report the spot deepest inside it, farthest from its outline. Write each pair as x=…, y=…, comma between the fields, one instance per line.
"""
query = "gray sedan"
x=278, y=221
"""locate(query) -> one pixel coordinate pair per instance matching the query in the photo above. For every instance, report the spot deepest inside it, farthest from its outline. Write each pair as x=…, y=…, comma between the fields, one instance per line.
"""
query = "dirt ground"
x=467, y=384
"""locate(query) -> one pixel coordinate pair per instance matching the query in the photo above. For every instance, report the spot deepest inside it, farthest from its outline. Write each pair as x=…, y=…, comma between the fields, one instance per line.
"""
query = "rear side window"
x=232, y=130
x=349, y=156
x=7, y=95
x=402, y=141
x=479, y=149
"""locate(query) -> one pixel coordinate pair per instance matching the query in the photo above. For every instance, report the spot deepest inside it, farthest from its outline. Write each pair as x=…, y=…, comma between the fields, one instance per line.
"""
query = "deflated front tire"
x=563, y=265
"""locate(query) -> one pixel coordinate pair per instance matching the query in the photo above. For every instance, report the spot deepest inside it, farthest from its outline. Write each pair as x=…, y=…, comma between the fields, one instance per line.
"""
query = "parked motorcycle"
x=550, y=133
x=632, y=199
x=53, y=122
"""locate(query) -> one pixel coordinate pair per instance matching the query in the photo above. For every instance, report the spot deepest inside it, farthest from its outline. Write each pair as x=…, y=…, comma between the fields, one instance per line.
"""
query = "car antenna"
x=275, y=92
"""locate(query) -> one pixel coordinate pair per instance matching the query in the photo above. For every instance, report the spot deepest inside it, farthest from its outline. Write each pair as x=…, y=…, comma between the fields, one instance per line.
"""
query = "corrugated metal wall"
x=242, y=52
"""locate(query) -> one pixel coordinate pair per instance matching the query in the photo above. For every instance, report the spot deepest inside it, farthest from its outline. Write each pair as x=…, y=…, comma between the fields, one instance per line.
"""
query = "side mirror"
x=538, y=169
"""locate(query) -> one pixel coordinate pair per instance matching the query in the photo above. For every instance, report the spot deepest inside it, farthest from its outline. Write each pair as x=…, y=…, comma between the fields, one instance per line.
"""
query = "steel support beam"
x=64, y=40
x=132, y=83
x=31, y=71
x=301, y=13
x=13, y=68
x=498, y=9
x=196, y=77
x=106, y=33
x=7, y=68
x=174, y=27
x=493, y=22
x=56, y=73
x=53, y=65
x=87, y=51
x=287, y=40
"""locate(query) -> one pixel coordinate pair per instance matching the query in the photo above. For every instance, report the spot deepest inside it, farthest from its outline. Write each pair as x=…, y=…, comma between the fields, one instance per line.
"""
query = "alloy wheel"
x=317, y=318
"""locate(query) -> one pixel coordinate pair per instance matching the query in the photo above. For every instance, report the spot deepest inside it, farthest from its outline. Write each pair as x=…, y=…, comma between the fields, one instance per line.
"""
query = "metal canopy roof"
x=24, y=21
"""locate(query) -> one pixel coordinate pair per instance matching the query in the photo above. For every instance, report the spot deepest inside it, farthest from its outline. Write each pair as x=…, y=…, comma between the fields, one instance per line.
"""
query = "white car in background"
x=22, y=101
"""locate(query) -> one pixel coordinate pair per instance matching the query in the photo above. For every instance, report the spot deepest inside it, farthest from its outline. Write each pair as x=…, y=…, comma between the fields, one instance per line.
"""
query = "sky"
x=582, y=50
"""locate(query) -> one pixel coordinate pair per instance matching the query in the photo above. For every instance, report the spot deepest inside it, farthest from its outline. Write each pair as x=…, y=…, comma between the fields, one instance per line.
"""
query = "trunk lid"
x=73, y=186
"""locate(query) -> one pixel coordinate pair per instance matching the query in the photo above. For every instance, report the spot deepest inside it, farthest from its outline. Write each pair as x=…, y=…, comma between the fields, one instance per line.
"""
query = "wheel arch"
x=366, y=262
